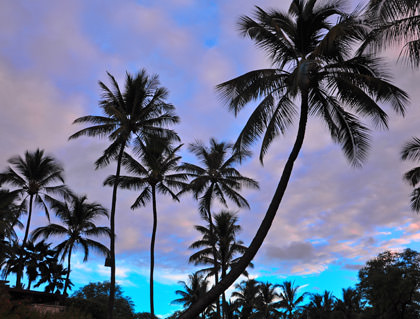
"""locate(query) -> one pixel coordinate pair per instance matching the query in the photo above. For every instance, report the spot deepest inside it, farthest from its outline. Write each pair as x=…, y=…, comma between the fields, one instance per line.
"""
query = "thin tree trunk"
x=25, y=238
x=28, y=223
x=262, y=232
x=224, y=304
x=111, y=299
x=68, y=271
x=152, y=252
x=213, y=246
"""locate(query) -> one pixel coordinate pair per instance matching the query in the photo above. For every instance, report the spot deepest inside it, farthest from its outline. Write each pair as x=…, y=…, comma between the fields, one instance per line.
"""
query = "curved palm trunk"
x=152, y=252
x=259, y=237
x=19, y=275
x=111, y=299
x=68, y=271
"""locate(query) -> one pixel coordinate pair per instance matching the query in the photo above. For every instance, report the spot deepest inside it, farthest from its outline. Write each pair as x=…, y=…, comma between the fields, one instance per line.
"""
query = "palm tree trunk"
x=28, y=223
x=25, y=238
x=213, y=246
x=152, y=252
x=111, y=299
x=262, y=232
x=224, y=303
x=68, y=271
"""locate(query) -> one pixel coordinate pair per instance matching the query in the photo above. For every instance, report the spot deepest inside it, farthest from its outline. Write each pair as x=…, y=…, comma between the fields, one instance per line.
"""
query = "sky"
x=333, y=217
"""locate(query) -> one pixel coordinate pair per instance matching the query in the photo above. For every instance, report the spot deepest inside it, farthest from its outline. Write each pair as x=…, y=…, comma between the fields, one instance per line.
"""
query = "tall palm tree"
x=78, y=218
x=395, y=22
x=311, y=64
x=192, y=291
x=290, y=300
x=227, y=248
x=140, y=110
x=216, y=178
x=269, y=301
x=411, y=151
x=34, y=177
x=156, y=171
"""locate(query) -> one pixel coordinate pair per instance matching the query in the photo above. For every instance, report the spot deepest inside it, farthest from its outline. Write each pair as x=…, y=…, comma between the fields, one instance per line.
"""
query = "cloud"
x=331, y=213
x=296, y=251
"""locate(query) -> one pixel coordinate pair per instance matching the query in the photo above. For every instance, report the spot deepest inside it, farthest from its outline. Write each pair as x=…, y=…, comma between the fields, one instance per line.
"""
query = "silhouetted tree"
x=140, y=110
x=391, y=284
x=78, y=219
x=155, y=172
x=312, y=64
x=216, y=178
x=395, y=23
x=34, y=177
x=411, y=151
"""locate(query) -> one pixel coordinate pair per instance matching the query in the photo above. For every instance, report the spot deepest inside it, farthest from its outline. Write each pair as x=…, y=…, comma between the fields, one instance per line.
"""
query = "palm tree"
x=53, y=275
x=78, y=217
x=36, y=257
x=321, y=306
x=290, y=299
x=395, y=22
x=311, y=64
x=140, y=110
x=246, y=297
x=269, y=301
x=411, y=151
x=155, y=172
x=223, y=238
x=13, y=259
x=351, y=304
x=9, y=215
x=33, y=177
x=217, y=178
x=192, y=291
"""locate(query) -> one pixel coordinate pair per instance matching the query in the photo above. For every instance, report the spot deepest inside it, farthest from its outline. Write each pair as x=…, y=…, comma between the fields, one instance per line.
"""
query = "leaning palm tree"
x=34, y=177
x=395, y=23
x=78, y=227
x=227, y=248
x=311, y=65
x=157, y=171
x=216, y=178
x=140, y=110
x=411, y=151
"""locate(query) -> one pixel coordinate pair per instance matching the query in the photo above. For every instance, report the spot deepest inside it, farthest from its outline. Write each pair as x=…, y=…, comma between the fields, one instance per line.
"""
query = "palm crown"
x=395, y=22
x=411, y=151
x=156, y=169
x=312, y=59
x=139, y=110
x=224, y=237
x=217, y=177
